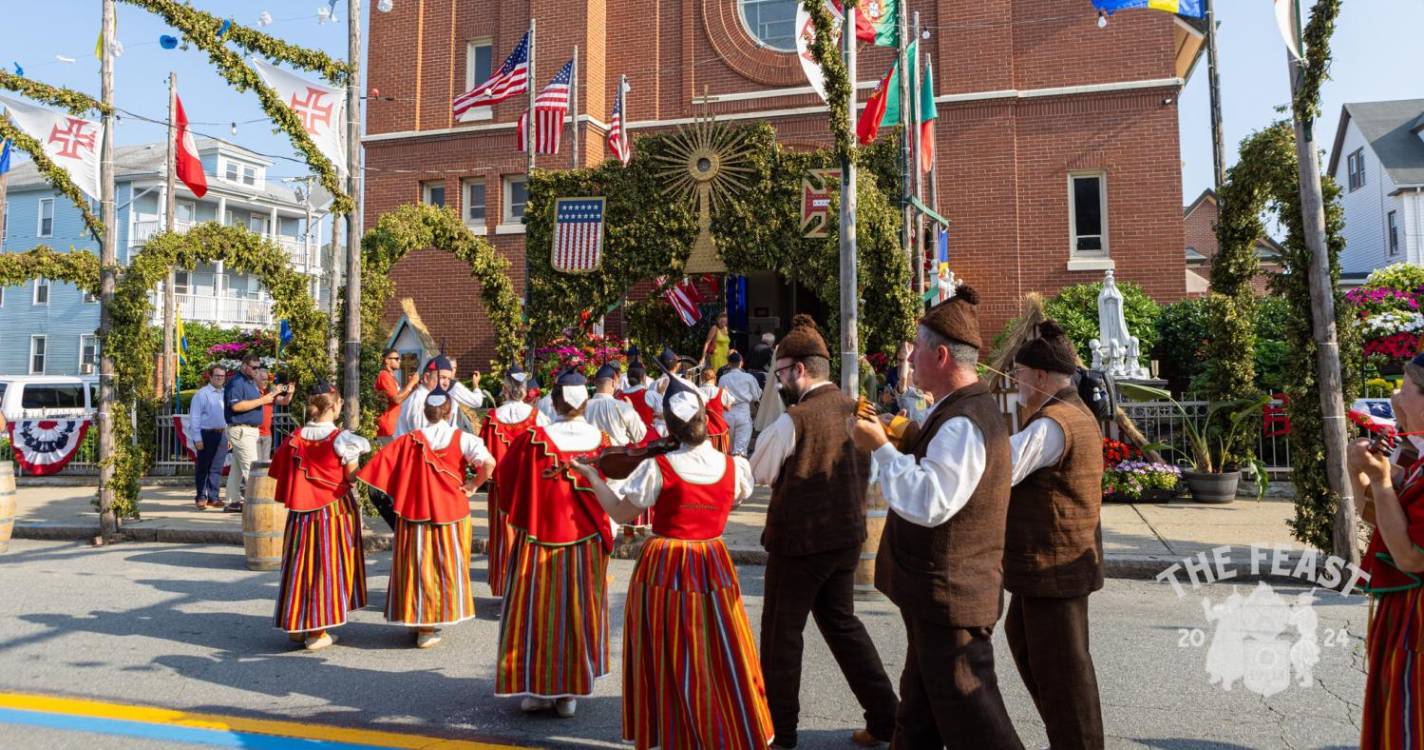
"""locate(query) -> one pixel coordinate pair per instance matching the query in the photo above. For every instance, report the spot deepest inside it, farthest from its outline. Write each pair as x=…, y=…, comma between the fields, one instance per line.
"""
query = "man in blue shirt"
x=243, y=404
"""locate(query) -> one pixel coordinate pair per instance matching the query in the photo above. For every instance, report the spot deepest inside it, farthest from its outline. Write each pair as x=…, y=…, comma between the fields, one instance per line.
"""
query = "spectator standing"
x=243, y=405
x=206, y=426
x=283, y=398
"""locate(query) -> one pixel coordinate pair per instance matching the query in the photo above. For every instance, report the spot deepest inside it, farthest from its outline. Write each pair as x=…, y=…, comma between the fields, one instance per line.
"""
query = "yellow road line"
x=299, y=730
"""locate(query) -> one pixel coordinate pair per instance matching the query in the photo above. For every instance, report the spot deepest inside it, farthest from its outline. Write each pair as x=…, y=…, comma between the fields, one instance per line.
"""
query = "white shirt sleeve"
x=195, y=414
x=744, y=482
x=466, y=397
x=643, y=486
x=412, y=412
x=474, y=448
x=930, y=491
x=653, y=398
x=773, y=447
x=349, y=446
x=1037, y=446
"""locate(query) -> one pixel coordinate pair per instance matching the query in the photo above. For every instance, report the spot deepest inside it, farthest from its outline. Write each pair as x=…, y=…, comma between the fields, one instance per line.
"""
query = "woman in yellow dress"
x=718, y=344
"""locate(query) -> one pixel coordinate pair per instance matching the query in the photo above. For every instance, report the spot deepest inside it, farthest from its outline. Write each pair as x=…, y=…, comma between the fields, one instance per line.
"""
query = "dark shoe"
x=784, y=742
x=233, y=508
x=200, y=504
x=217, y=504
x=864, y=738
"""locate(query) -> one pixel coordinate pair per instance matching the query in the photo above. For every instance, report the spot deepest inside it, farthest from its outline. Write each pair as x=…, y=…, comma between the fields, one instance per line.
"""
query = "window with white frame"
x=474, y=194
x=249, y=175
x=233, y=172
x=41, y=294
x=1087, y=215
x=185, y=211
x=88, y=353
x=37, y=355
x=433, y=193
x=46, y=222
x=1393, y=232
x=181, y=282
x=478, y=68
x=1355, y=167
x=516, y=195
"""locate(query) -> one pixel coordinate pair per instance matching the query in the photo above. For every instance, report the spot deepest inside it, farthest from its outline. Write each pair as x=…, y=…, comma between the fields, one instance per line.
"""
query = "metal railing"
x=225, y=311
x=1162, y=422
x=171, y=459
x=85, y=461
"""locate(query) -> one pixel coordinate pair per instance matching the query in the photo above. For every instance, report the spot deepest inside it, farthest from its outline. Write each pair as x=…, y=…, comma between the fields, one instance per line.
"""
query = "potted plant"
x=1214, y=460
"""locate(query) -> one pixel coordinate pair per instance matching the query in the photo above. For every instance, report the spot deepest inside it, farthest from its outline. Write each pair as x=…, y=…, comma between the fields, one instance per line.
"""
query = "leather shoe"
x=864, y=738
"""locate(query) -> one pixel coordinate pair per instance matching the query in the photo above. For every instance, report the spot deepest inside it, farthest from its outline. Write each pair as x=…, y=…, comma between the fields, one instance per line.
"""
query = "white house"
x=1378, y=160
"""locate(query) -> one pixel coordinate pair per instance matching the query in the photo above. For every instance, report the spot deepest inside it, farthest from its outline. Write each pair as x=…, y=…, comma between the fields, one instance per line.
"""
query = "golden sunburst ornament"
x=706, y=163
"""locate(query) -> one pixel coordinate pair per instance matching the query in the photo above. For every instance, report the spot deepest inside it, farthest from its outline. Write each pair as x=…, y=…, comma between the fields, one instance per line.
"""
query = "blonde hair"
x=320, y=404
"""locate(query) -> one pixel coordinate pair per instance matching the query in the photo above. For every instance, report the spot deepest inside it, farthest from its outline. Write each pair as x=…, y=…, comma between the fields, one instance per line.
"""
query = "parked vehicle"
x=35, y=396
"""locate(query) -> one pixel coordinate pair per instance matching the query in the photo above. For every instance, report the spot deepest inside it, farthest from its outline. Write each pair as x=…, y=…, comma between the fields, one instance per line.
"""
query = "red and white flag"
x=511, y=79
x=578, y=234
x=550, y=107
x=618, y=141
x=188, y=166
x=321, y=109
x=1285, y=23
x=72, y=143
x=685, y=297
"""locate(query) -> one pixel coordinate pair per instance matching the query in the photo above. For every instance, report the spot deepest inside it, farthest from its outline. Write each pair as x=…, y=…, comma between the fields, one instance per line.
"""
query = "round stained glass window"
x=771, y=22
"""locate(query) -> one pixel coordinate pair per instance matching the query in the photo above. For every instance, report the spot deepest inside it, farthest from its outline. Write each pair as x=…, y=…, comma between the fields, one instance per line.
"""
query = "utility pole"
x=1322, y=304
x=850, y=287
x=108, y=277
x=574, y=107
x=166, y=365
x=351, y=362
x=4, y=186
x=1218, y=147
x=919, y=241
x=907, y=211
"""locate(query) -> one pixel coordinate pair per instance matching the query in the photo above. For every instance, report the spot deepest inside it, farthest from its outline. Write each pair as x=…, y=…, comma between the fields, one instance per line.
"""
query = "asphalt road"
x=189, y=628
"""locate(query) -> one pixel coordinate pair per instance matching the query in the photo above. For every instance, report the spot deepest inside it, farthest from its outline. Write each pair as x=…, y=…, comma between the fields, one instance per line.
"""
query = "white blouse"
x=349, y=446
x=702, y=464
x=574, y=435
x=514, y=412
x=440, y=434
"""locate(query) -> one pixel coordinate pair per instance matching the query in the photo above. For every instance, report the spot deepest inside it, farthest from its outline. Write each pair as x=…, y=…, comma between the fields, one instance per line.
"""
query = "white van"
x=35, y=396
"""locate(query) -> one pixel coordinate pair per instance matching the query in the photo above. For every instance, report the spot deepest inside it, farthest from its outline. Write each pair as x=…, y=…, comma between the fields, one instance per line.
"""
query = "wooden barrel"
x=263, y=520
x=7, y=504
x=875, y=511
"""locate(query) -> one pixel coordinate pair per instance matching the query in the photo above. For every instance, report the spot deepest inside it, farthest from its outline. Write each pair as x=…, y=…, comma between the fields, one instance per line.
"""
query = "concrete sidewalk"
x=1140, y=541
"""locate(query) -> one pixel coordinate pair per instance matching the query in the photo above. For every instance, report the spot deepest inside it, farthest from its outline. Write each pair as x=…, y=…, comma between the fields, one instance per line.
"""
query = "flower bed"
x=587, y=355
x=1128, y=478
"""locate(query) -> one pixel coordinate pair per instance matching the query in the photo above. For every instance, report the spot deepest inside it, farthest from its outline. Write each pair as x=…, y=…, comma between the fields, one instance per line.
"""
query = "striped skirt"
x=430, y=574
x=1394, y=681
x=501, y=539
x=691, y=676
x=553, y=635
x=323, y=568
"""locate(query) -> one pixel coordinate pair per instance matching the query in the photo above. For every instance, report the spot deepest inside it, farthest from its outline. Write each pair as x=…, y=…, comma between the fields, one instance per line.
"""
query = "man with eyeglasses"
x=388, y=388
x=206, y=432
x=439, y=372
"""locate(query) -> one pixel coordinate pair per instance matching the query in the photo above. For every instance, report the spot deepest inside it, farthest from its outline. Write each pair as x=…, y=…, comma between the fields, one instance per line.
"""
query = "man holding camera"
x=243, y=404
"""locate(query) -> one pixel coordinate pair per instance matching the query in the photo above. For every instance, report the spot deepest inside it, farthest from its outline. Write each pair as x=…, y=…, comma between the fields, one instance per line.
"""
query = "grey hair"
x=963, y=355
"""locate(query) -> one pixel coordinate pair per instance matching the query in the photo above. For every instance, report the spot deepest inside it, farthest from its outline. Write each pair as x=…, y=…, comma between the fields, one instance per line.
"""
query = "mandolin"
x=619, y=461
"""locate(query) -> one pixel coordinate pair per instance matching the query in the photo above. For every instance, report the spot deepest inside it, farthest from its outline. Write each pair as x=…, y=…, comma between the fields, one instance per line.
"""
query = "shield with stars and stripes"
x=578, y=234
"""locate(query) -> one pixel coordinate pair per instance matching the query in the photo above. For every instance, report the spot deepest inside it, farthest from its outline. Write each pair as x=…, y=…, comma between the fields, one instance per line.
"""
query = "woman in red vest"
x=427, y=474
x=717, y=399
x=553, y=635
x=691, y=676
x=503, y=426
x=323, y=567
x=1394, y=678
x=632, y=392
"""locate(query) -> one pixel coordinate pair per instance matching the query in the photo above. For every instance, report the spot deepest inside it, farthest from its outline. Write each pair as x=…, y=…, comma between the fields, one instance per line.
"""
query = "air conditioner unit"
x=86, y=368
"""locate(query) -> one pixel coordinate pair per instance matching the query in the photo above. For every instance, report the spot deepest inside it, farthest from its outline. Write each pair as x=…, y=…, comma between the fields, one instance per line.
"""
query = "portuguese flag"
x=876, y=21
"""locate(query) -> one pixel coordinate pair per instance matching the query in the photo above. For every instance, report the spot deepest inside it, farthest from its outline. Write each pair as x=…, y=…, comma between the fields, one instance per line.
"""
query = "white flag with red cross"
x=72, y=143
x=320, y=108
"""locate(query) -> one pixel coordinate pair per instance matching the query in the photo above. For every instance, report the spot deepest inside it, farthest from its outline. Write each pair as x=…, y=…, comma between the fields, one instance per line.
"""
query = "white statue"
x=1115, y=349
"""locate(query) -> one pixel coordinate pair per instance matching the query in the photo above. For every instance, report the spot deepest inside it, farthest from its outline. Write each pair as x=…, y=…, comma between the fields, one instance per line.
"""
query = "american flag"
x=578, y=234
x=549, y=109
x=618, y=142
x=684, y=296
x=511, y=79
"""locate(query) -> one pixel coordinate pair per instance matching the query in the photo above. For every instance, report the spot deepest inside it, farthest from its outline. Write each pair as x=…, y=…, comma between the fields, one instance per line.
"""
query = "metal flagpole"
x=1218, y=147
x=351, y=361
x=574, y=107
x=108, y=277
x=906, y=211
x=529, y=178
x=170, y=186
x=919, y=240
x=850, y=295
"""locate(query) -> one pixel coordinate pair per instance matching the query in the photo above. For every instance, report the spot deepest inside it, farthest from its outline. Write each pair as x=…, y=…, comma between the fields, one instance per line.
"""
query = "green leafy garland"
x=77, y=267
x=133, y=341
x=836, y=77
x=648, y=235
x=201, y=29
x=76, y=103
x=413, y=227
x=1315, y=68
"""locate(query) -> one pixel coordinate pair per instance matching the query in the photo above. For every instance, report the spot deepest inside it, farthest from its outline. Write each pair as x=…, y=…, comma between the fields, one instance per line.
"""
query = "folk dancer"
x=425, y=472
x=632, y=393
x=690, y=673
x=941, y=556
x=1053, y=548
x=815, y=529
x=553, y=633
x=718, y=401
x=505, y=424
x=671, y=364
x=438, y=372
x=745, y=391
x=616, y=418
x=323, y=566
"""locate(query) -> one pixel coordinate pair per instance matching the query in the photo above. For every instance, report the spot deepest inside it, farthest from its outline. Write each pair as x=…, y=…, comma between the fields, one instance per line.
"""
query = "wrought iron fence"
x=85, y=461
x=1162, y=422
x=170, y=456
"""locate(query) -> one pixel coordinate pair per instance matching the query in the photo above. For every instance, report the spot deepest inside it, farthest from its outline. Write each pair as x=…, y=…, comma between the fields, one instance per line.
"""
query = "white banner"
x=321, y=109
x=72, y=143
x=805, y=34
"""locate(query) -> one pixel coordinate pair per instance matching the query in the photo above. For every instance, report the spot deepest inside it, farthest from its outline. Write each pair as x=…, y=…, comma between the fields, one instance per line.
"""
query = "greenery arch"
x=77, y=267
x=74, y=102
x=133, y=342
x=415, y=227
x=648, y=235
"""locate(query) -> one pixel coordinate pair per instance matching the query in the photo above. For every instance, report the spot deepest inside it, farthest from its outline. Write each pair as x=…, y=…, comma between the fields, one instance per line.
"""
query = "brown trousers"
x=1049, y=640
x=822, y=586
x=949, y=694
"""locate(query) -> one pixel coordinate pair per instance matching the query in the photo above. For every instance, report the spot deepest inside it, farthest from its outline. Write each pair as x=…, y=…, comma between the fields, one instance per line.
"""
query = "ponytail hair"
x=320, y=404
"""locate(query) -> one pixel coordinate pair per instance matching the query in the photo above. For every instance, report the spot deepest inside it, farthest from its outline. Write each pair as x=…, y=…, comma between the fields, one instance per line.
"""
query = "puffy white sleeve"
x=643, y=486
x=543, y=419
x=349, y=446
x=633, y=423
x=744, y=483
x=773, y=447
x=930, y=491
x=473, y=448
x=466, y=397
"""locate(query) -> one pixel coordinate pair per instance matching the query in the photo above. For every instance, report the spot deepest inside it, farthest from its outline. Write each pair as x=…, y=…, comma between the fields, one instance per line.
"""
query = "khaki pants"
x=242, y=439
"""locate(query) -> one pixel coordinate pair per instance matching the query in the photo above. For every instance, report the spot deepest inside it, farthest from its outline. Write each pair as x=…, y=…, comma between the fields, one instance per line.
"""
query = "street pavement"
x=187, y=627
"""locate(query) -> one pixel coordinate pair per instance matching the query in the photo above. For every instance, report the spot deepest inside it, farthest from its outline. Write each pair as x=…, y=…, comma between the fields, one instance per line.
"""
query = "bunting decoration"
x=45, y=446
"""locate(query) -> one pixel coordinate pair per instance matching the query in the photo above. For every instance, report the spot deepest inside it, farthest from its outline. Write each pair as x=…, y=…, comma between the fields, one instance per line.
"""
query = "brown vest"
x=952, y=574
x=818, y=503
x=1054, y=544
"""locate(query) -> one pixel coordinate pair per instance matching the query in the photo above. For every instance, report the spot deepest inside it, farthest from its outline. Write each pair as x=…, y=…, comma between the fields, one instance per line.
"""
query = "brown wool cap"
x=957, y=318
x=804, y=340
x=1051, y=351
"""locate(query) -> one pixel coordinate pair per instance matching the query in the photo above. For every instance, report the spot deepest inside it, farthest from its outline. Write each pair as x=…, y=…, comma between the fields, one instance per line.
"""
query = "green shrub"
x=1405, y=277
x=1076, y=309
x=1274, y=355
x=1182, y=329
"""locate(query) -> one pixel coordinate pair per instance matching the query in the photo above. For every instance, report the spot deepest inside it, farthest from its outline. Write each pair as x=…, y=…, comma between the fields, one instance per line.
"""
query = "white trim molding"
x=1091, y=264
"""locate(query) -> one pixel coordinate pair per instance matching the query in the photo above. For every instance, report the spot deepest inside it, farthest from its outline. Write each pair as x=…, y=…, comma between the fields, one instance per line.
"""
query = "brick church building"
x=1057, y=142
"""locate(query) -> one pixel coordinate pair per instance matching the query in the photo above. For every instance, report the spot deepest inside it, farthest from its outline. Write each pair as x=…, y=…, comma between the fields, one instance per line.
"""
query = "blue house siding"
x=62, y=321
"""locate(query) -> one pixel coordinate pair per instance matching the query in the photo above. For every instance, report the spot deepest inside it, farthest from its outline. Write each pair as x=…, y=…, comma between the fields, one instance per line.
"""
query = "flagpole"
x=529, y=178
x=574, y=107
x=166, y=365
x=919, y=242
x=850, y=296
x=1218, y=147
x=902, y=20
x=108, y=262
x=351, y=362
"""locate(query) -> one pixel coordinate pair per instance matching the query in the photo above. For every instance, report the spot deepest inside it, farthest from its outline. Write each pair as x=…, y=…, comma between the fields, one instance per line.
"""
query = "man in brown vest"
x=941, y=556
x=1053, y=552
x=815, y=526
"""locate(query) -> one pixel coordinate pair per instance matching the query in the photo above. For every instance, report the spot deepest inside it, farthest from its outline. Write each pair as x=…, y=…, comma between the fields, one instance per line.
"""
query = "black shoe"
x=233, y=508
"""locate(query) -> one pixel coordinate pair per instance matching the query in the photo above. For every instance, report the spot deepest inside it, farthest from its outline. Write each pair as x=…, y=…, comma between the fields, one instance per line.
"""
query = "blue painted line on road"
x=168, y=732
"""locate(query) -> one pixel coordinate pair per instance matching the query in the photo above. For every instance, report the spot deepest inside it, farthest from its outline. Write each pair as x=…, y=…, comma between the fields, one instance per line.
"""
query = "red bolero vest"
x=716, y=421
x=645, y=412
x=426, y=484
x=309, y=474
x=556, y=511
x=693, y=511
x=499, y=435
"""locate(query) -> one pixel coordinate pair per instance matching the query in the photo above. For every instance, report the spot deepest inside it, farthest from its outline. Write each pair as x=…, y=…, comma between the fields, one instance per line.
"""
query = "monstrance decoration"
x=707, y=163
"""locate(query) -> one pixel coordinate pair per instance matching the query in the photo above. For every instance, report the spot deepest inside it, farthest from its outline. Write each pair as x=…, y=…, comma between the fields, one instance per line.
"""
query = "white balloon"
x=264, y=19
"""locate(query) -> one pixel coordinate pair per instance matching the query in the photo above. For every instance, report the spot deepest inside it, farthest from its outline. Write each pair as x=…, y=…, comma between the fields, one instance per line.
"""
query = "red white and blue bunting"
x=45, y=446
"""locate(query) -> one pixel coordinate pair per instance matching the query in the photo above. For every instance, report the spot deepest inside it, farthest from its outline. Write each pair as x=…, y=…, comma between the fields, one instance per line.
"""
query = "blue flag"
x=5, y=158
x=284, y=334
